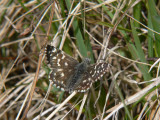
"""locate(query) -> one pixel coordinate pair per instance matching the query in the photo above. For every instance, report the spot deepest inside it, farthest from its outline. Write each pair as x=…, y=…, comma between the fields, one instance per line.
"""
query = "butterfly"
x=70, y=75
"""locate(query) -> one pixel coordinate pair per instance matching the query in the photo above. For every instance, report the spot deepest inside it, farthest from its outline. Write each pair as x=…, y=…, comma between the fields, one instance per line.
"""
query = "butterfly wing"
x=94, y=72
x=62, y=66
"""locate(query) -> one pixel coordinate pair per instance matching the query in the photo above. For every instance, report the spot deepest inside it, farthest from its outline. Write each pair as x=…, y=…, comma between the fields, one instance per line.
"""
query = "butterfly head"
x=87, y=61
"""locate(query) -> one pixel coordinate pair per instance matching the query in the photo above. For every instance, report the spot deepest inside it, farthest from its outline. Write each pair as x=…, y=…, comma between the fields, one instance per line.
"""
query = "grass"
x=125, y=34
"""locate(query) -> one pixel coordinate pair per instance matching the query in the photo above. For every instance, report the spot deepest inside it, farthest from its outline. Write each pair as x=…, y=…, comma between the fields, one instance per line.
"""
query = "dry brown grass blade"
x=32, y=87
x=38, y=67
x=132, y=99
x=61, y=105
x=82, y=105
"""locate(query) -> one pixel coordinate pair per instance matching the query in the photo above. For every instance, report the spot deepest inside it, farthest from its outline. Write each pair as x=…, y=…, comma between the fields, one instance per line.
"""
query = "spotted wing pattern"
x=63, y=67
x=94, y=72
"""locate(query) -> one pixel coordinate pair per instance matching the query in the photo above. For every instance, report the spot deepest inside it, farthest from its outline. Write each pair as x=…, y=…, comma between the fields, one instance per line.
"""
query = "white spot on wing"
x=62, y=74
x=84, y=81
x=66, y=64
x=102, y=65
x=58, y=62
x=58, y=70
x=54, y=50
x=63, y=56
x=54, y=58
x=82, y=90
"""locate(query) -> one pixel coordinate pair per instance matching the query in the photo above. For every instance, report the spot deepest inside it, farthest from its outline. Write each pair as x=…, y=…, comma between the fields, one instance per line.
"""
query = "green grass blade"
x=140, y=54
x=150, y=37
x=78, y=34
x=137, y=14
x=155, y=23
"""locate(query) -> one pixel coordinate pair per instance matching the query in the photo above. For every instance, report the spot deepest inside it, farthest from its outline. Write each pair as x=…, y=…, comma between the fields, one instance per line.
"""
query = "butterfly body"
x=70, y=75
x=78, y=74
